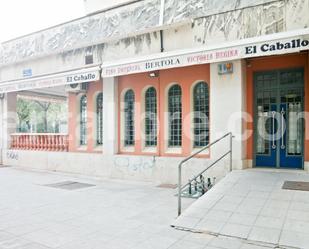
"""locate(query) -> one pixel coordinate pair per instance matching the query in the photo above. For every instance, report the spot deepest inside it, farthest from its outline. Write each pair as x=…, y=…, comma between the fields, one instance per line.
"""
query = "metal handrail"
x=230, y=152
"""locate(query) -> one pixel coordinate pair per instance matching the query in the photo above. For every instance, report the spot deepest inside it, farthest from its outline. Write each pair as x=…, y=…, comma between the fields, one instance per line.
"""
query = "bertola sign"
x=171, y=62
x=164, y=61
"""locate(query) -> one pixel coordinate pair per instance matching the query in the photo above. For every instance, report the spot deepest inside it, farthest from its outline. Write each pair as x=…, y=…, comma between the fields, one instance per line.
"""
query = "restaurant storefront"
x=139, y=116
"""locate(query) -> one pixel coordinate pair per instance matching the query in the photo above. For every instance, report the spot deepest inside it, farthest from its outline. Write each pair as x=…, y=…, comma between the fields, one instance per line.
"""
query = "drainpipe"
x=161, y=40
x=161, y=22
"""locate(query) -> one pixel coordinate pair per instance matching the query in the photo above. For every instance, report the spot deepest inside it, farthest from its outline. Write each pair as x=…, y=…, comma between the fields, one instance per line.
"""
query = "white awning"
x=279, y=43
x=69, y=77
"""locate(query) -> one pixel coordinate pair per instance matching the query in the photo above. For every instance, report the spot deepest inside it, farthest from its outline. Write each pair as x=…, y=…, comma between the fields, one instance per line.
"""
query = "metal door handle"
x=282, y=131
x=273, y=129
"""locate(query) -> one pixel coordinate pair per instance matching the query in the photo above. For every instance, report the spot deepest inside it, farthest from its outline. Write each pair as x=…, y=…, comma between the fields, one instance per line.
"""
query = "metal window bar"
x=175, y=116
x=230, y=152
x=151, y=117
x=83, y=120
x=129, y=118
x=201, y=114
x=99, y=119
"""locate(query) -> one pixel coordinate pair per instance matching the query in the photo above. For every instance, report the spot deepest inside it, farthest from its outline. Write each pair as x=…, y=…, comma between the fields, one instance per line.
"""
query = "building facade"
x=164, y=79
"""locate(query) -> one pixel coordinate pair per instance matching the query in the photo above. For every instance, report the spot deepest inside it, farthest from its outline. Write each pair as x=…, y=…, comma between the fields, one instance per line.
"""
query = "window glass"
x=201, y=114
x=151, y=117
x=174, y=117
x=99, y=110
x=83, y=120
x=129, y=118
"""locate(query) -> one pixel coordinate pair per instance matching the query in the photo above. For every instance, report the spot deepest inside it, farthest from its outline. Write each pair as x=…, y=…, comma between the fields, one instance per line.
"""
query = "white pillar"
x=110, y=116
x=227, y=111
x=8, y=120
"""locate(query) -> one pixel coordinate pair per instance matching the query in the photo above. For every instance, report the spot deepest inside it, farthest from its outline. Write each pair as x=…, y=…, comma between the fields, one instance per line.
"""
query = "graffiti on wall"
x=134, y=164
x=13, y=155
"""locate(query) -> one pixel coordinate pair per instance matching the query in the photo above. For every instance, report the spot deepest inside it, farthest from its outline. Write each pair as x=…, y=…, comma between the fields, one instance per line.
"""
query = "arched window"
x=83, y=120
x=99, y=111
x=151, y=117
x=129, y=118
x=201, y=114
x=174, y=117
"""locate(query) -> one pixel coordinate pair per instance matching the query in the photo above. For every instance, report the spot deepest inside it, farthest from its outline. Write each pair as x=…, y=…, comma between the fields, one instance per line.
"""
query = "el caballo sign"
x=279, y=46
x=210, y=56
x=50, y=81
x=79, y=78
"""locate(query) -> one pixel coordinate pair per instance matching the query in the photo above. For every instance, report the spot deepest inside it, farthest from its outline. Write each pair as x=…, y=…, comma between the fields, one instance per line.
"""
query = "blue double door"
x=279, y=119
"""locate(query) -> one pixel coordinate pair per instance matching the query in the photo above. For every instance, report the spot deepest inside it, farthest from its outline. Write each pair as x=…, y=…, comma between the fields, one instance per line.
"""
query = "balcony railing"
x=40, y=141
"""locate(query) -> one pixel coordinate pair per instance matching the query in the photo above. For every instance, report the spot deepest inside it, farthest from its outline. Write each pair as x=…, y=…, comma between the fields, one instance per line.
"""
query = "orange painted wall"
x=185, y=77
x=93, y=89
x=275, y=63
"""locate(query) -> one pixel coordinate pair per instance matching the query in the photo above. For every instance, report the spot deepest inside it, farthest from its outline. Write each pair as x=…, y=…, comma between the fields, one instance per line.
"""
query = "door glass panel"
x=263, y=126
x=294, y=122
x=264, y=99
x=294, y=129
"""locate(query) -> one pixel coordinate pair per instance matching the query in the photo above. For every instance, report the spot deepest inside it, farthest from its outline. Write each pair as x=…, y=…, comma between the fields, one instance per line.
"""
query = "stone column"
x=8, y=120
x=110, y=116
x=227, y=111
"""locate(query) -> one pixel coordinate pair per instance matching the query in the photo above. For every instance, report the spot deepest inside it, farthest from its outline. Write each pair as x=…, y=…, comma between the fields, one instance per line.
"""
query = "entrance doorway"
x=278, y=121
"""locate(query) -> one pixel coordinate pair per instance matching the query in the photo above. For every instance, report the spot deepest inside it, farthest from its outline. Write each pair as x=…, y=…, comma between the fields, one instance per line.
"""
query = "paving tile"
x=185, y=221
x=48, y=238
x=299, y=206
x=282, y=195
x=269, y=222
x=24, y=229
x=232, y=199
x=219, y=215
x=277, y=204
x=258, y=194
x=211, y=247
x=226, y=243
x=296, y=226
x=196, y=212
x=213, y=226
x=298, y=215
x=249, y=209
x=157, y=242
x=264, y=234
x=201, y=238
x=242, y=219
x=5, y=236
x=253, y=201
x=274, y=212
x=13, y=243
x=251, y=246
x=294, y=239
x=236, y=230
x=225, y=206
x=33, y=246
x=183, y=244
x=301, y=196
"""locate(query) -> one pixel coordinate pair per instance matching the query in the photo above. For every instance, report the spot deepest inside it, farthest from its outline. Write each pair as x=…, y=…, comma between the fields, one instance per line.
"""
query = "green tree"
x=23, y=109
x=45, y=116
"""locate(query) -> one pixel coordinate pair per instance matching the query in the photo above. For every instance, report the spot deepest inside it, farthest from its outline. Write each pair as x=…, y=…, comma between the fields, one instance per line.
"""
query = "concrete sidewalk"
x=109, y=215
x=251, y=205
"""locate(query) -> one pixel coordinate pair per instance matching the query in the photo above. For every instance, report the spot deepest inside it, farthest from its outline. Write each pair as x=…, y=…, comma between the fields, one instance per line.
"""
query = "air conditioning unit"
x=77, y=88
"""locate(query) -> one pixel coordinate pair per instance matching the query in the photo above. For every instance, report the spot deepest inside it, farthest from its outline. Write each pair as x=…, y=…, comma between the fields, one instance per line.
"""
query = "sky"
x=20, y=17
